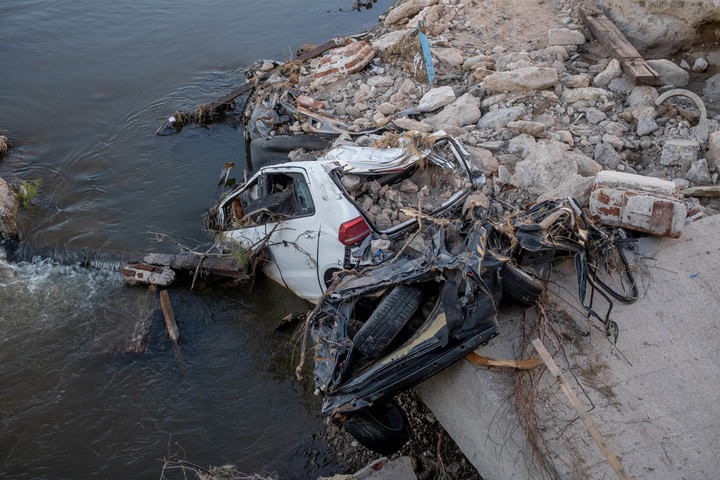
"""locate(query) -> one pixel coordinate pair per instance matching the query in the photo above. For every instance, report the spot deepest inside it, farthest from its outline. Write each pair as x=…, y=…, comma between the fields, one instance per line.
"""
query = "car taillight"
x=353, y=231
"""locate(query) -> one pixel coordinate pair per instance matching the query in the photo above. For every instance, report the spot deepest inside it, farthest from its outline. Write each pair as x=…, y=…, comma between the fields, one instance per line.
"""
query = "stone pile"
x=542, y=121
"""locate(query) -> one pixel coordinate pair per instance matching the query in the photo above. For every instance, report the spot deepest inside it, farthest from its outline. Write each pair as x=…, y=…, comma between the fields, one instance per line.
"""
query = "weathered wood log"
x=169, y=314
x=139, y=339
x=221, y=265
x=612, y=39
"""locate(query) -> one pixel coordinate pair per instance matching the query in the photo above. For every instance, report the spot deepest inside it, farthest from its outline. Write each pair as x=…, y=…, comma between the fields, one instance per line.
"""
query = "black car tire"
x=274, y=150
x=519, y=287
x=387, y=320
x=382, y=428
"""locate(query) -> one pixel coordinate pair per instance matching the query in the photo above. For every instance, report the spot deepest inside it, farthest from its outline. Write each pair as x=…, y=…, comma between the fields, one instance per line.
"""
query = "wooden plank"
x=482, y=361
x=613, y=40
x=170, y=322
x=575, y=401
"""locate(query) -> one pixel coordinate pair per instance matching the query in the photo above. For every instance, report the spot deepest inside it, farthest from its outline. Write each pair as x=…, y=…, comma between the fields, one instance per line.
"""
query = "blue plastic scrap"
x=427, y=57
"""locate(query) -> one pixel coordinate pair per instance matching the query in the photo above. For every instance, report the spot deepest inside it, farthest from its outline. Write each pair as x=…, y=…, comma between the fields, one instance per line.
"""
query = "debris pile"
x=541, y=122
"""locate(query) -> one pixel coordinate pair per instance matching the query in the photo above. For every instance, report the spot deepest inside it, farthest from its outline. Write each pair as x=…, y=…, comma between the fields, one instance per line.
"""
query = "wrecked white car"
x=312, y=215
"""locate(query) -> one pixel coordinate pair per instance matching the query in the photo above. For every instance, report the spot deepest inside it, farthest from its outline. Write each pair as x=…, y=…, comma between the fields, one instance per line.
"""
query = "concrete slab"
x=656, y=398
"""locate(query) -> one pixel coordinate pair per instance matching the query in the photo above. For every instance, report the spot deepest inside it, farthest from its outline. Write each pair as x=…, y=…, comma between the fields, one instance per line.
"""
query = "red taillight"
x=353, y=231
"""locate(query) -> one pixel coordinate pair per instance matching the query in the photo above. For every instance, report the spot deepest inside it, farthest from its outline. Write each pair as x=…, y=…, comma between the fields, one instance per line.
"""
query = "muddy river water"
x=83, y=87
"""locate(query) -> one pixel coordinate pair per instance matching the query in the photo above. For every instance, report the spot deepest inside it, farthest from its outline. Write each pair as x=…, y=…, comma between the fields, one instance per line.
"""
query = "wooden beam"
x=481, y=361
x=575, y=401
x=170, y=322
x=612, y=39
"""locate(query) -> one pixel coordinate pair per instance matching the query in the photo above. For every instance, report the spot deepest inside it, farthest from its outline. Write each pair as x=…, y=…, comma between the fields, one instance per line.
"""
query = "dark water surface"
x=83, y=86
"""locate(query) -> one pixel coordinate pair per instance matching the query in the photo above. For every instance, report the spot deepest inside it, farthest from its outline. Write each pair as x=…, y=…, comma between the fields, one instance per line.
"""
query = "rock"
x=412, y=125
x=350, y=182
x=711, y=93
x=405, y=10
x=408, y=87
x=501, y=117
x=595, y=115
x=684, y=64
x=8, y=211
x=408, y=186
x=642, y=96
x=575, y=81
x=613, y=140
x=565, y=36
x=606, y=155
x=529, y=78
x=701, y=132
x=463, y=111
x=480, y=73
x=562, y=136
x=451, y=56
x=482, y=159
x=588, y=94
x=477, y=199
x=380, y=81
x=3, y=145
x=513, y=61
x=587, y=167
x=386, y=41
x=620, y=85
x=342, y=61
x=536, y=129
x=436, y=98
x=473, y=62
x=549, y=173
x=699, y=173
x=646, y=126
x=670, y=73
x=700, y=65
x=522, y=145
x=609, y=73
x=713, y=153
x=386, y=108
x=678, y=151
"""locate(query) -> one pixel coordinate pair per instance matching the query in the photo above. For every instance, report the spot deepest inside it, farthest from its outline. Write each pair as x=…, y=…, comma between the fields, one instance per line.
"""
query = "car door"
x=293, y=231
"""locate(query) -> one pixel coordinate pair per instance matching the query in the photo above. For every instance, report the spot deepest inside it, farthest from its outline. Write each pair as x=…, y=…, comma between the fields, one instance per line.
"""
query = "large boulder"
x=501, y=117
x=661, y=27
x=552, y=171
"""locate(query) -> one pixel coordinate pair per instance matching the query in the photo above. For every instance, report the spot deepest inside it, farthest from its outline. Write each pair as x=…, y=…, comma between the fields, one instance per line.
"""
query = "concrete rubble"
x=543, y=116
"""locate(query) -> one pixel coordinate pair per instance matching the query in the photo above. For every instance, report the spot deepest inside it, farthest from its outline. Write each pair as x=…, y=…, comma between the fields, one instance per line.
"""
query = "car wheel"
x=387, y=320
x=381, y=428
x=520, y=287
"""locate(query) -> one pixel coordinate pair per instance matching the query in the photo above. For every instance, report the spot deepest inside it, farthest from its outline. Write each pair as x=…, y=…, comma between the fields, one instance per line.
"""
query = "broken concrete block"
x=699, y=173
x=536, y=129
x=405, y=10
x=529, y=78
x=646, y=125
x=343, y=61
x=436, y=98
x=713, y=153
x=635, y=202
x=670, y=73
x=609, y=73
x=501, y=117
x=463, y=111
x=679, y=151
x=565, y=36
x=588, y=94
x=482, y=159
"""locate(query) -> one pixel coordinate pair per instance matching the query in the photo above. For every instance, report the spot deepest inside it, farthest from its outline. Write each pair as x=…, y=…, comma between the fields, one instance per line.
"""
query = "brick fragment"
x=639, y=203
